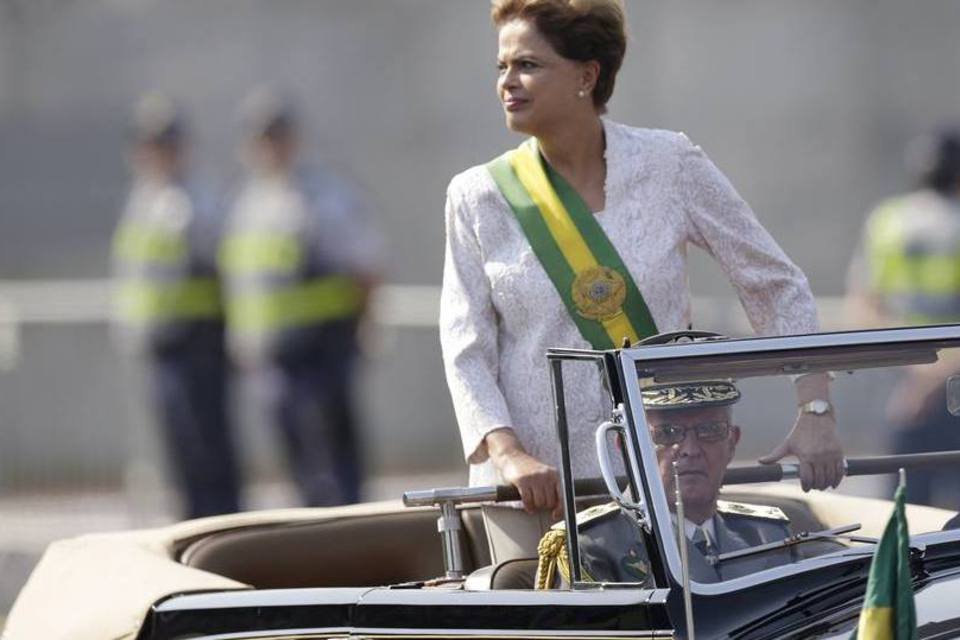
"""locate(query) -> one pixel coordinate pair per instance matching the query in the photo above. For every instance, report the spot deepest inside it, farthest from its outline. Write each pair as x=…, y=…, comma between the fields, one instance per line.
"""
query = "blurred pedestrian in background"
x=169, y=309
x=300, y=260
x=907, y=268
x=907, y=271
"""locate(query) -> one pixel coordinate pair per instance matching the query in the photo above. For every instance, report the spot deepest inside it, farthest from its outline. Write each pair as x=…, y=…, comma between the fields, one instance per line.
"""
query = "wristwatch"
x=816, y=407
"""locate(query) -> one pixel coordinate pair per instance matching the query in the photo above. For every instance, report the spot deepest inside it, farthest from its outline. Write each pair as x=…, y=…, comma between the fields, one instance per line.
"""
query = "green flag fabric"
x=888, y=609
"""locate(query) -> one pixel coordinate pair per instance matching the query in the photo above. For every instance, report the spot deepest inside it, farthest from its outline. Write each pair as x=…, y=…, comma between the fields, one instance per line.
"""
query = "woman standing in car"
x=578, y=238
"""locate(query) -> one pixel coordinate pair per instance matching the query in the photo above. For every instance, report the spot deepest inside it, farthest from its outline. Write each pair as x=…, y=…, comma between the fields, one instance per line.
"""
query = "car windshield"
x=704, y=417
x=708, y=411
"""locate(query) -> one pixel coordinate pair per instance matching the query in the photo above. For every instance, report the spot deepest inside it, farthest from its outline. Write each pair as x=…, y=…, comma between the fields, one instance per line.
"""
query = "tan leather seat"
x=520, y=573
x=346, y=552
x=475, y=536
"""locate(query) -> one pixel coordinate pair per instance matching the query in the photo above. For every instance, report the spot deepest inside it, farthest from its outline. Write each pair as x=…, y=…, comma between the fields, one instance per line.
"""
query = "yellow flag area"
x=876, y=624
x=526, y=164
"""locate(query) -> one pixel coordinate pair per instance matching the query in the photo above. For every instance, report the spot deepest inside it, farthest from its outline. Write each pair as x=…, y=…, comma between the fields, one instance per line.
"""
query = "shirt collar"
x=689, y=528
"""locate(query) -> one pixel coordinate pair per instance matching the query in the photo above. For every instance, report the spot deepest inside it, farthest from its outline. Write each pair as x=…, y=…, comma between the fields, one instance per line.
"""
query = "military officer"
x=691, y=423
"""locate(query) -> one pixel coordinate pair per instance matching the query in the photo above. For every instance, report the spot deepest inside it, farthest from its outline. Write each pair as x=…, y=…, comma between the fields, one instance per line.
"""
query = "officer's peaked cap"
x=689, y=394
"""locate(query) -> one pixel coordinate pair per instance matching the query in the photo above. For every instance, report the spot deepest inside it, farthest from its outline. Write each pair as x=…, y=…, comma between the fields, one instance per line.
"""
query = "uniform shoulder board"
x=592, y=514
x=763, y=512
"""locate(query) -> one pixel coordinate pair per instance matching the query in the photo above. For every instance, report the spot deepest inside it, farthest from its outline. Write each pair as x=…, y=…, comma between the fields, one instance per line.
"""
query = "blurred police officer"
x=299, y=259
x=169, y=309
x=907, y=271
x=907, y=268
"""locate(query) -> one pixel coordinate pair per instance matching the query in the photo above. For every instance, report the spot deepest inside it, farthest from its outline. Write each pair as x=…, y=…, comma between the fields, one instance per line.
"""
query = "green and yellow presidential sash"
x=577, y=255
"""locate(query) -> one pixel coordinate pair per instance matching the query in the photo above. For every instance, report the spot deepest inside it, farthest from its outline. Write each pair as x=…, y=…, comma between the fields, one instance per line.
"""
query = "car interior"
x=395, y=548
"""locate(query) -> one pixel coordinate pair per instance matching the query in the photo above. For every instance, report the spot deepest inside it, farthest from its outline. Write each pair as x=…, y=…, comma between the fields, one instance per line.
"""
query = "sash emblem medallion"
x=598, y=293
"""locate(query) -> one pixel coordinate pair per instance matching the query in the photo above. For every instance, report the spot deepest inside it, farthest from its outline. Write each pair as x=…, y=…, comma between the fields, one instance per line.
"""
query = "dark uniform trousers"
x=310, y=403
x=189, y=391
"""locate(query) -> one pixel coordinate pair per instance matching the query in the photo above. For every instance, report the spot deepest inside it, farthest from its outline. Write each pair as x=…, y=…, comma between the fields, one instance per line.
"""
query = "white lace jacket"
x=499, y=310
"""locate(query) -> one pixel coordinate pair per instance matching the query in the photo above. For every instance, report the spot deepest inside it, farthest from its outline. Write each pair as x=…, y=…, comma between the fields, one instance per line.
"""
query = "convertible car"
x=420, y=568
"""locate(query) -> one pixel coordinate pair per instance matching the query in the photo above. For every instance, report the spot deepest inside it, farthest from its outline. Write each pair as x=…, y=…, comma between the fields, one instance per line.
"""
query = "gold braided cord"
x=551, y=552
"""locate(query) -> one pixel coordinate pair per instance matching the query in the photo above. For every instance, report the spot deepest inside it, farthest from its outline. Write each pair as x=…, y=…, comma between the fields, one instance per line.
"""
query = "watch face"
x=818, y=406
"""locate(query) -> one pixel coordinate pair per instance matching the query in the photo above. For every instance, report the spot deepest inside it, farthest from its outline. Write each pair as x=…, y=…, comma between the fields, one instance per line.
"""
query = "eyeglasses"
x=666, y=435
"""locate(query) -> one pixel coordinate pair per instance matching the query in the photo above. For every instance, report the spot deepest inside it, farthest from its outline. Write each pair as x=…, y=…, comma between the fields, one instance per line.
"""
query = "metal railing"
x=70, y=302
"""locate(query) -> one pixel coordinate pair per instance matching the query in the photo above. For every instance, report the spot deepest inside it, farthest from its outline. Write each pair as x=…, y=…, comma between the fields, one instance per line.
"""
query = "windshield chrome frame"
x=631, y=360
x=556, y=358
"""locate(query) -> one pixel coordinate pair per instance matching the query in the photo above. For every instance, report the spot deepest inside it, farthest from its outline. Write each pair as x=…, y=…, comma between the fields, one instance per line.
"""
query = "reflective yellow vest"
x=272, y=289
x=159, y=282
x=912, y=248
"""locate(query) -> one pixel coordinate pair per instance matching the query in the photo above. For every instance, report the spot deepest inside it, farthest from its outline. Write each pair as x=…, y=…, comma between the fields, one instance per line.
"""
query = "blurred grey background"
x=805, y=104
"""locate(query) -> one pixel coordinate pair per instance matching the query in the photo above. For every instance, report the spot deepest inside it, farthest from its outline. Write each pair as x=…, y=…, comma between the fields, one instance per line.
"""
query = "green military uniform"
x=738, y=526
x=612, y=548
x=611, y=541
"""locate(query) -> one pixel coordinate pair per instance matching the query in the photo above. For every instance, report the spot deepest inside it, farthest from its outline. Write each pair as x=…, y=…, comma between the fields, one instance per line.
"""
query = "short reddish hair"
x=581, y=30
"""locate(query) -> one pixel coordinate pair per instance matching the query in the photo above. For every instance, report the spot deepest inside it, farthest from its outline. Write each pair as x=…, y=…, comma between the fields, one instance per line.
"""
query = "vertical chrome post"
x=566, y=471
x=684, y=563
x=449, y=525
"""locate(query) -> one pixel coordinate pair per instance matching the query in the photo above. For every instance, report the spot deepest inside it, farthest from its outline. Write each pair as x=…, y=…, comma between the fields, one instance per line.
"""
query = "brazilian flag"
x=888, y=610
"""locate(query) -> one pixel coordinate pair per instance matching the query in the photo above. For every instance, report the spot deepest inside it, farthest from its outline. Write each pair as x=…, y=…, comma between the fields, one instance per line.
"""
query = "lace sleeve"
x=468, y=335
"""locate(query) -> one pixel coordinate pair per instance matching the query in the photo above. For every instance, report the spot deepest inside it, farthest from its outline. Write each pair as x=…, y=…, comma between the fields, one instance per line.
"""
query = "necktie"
x=701, y=541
